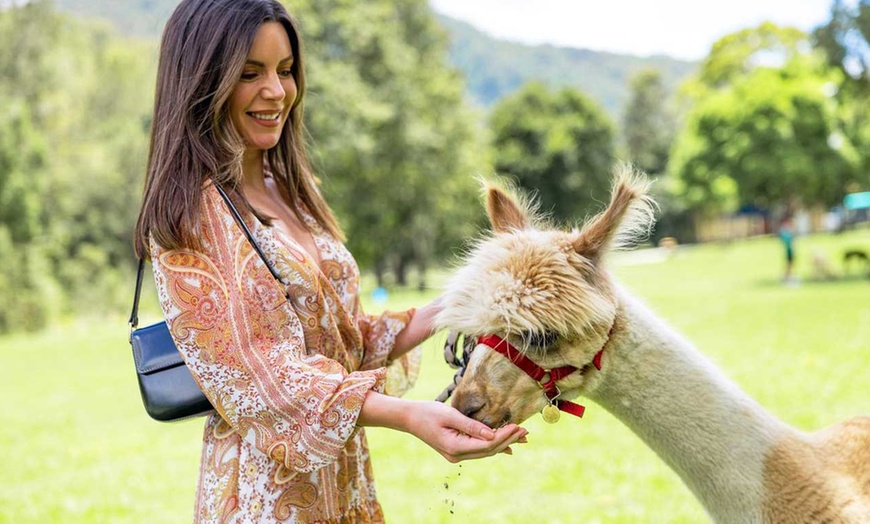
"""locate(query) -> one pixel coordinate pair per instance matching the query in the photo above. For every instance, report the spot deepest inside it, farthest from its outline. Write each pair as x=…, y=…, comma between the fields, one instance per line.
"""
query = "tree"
x=22, y=154
x=764, y=130
x=557, y=144
x=734, y=56
x=73, y=136
x=392, y=136
x=845, y=42
x=24, y=292
x=648, y=127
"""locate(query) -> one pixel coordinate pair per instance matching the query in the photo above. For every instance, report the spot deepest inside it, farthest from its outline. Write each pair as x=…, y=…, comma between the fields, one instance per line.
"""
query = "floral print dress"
x=286, y=365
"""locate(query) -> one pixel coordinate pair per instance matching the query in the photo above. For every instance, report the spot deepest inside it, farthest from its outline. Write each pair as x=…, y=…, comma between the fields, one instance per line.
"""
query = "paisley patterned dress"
x=287, y=367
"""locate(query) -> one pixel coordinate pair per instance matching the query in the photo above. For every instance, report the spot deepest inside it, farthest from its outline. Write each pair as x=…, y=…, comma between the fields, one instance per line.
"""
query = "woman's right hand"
x=457, y=437
x=453, y=435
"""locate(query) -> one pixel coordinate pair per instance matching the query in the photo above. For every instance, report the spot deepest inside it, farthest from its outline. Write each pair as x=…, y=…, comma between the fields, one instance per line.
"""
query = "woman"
x=294, y=369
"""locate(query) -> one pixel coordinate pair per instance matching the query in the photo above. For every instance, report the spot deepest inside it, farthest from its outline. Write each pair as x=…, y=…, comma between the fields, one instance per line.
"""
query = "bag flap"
x=154, y=349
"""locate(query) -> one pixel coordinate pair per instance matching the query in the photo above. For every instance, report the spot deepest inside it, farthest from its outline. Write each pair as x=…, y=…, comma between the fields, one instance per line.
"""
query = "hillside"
x=493, y=68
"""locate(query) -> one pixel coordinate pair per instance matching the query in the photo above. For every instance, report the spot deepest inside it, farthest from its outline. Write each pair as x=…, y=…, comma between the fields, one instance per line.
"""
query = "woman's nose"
x=273, y=90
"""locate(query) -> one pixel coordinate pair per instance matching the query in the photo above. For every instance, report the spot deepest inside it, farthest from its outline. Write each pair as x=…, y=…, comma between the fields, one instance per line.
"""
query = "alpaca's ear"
x=628, y=217
x=505, y=214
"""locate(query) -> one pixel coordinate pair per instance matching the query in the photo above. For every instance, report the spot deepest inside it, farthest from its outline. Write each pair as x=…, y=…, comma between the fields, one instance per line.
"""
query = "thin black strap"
x=134, y=314
x=248, y=234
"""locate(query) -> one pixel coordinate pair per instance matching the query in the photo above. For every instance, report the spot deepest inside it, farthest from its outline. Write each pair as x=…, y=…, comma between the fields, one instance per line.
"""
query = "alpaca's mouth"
x=494, y=421
x=476, y=406
x=505, y=420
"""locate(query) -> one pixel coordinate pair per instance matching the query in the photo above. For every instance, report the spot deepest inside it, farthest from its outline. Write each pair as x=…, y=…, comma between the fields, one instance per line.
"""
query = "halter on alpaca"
x=545, y=378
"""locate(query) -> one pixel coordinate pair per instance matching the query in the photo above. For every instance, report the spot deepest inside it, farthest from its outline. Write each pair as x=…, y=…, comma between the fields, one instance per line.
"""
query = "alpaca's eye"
x=539, y=339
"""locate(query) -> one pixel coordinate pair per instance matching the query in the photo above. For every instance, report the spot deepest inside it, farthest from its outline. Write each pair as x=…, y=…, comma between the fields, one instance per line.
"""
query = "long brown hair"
x=202, y=55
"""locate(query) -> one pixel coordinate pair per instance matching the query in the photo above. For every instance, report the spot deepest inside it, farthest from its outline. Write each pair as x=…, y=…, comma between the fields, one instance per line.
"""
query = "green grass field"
x=77, y=447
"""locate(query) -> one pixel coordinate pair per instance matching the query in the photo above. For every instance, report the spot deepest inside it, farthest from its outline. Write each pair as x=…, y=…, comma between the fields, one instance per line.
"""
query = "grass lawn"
x=77, y=447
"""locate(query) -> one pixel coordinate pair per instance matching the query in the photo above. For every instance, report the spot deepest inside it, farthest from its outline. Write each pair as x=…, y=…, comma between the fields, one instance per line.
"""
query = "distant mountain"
x=495, y=68
x=492, y=68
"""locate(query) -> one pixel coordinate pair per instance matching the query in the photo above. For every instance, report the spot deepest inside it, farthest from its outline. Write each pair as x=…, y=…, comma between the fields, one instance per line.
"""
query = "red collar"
x=546, y=378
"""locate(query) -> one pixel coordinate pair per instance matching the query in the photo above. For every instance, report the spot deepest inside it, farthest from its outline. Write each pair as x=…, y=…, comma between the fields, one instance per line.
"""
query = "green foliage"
x=763, y=130
x=739, y=54
x=557, y=144
x=27, y=34
x=24, y=304
x=22, y=155
x=392, y=137
x=99, y=160
x=26, y=294
x=648, y=127
x=28, y=297
x=845, y=42
x=854, y=121
x=73, y=138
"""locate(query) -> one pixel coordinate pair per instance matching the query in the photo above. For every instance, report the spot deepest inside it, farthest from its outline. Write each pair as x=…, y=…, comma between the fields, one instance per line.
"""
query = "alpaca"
x=548, y=293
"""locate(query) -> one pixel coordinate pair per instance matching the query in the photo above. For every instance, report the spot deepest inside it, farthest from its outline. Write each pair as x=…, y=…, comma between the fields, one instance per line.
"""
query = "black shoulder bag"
x=168, y=390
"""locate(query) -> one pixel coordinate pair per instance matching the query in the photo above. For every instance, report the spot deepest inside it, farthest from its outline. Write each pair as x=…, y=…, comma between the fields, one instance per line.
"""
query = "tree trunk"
x=421, y=282
x=379, y=272
x=401, y=270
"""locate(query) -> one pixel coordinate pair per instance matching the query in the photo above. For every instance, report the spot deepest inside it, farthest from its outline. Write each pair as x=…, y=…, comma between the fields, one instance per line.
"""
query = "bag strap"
x=247, y=232
x=134, y=314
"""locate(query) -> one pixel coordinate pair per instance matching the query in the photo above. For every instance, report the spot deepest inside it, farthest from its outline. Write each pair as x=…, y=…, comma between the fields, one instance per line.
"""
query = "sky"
x=683, y=29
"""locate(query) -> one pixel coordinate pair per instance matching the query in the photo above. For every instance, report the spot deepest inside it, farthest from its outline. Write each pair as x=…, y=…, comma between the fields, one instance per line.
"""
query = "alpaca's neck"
x=699, y=422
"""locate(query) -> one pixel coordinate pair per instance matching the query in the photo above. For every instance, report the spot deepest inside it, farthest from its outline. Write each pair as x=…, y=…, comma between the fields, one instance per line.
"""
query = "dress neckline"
x=282, y=235
x=309, y=224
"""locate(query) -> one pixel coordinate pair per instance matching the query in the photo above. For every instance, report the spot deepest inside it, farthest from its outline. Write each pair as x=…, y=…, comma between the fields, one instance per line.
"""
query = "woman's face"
x=263, y=96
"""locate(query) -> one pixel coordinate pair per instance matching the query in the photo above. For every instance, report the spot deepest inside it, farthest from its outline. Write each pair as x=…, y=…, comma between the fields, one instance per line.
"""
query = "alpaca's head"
x=544, y=291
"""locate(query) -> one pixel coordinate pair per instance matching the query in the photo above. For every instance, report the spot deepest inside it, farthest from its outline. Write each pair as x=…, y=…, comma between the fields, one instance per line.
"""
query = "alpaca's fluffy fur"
x=742, y=463
x=526, y=278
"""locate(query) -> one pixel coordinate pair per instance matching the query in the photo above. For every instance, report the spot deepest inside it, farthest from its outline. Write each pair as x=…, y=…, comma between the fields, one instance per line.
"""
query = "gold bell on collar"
x=550, y=413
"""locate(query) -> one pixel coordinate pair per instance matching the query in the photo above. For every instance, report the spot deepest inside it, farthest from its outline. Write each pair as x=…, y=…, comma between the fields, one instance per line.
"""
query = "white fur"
x=484, y=297
x=704, y=427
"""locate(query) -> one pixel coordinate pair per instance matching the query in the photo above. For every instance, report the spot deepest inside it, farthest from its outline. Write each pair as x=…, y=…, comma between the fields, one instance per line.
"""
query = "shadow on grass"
x=842, y=280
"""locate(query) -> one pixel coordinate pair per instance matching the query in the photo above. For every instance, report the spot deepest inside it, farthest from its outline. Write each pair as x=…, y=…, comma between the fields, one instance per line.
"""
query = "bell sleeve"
x=379, y=339
x=244, y=343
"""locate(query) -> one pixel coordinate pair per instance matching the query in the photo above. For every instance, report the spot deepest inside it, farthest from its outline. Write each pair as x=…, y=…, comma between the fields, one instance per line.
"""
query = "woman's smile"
x=268, y=119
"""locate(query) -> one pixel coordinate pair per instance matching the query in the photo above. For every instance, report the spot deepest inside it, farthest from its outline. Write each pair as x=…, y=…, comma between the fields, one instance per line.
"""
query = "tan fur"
x=824, y=477
x=508, y=216
x=629, y=215
x=742, y=463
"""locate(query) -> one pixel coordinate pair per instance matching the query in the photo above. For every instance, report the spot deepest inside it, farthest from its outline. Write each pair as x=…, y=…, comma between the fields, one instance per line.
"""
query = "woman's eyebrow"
x=261, y=64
